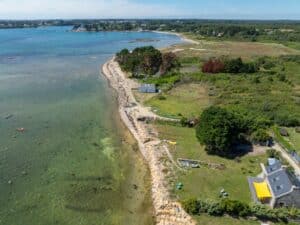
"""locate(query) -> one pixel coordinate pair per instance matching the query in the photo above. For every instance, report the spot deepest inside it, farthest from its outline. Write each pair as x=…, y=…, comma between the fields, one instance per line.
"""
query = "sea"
x=65, y=156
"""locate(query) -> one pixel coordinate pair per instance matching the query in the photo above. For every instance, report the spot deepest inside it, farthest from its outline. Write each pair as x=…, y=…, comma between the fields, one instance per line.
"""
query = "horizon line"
x=154, y=18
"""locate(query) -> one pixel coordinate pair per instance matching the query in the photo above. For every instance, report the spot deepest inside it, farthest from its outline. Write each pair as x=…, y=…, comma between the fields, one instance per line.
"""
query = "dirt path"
x=288, y=158
x=167, y=211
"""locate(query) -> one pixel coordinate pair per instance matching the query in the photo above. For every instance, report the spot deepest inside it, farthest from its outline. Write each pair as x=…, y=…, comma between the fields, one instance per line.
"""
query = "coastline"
x=182, y=36
x=167, y=211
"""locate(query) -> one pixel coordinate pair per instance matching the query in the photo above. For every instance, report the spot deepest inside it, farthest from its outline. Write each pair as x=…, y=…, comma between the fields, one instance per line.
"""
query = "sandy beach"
x=182, y=36
x=155, y=151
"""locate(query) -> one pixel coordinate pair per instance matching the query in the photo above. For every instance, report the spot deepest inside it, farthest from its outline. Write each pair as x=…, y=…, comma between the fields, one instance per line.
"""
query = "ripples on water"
x=74, y=163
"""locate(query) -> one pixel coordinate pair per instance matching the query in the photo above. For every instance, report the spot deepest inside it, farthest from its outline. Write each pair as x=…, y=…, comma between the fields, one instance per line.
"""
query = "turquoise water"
x=74, y=163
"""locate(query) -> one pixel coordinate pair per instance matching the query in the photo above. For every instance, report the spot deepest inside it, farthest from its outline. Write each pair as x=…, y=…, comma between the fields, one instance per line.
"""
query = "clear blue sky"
x=211, y=9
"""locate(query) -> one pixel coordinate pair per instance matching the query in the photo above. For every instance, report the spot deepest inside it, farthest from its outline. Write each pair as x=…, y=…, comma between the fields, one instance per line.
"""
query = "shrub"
x=213, y=66
x=215, y=209
x=184, y=121
x=233, y=65
x=162, y=97
x=261, y=212
x=260, y=136
x=238, y=66
x=191, y=206
x=235, y=208
x=272, y=153
x=210, y=207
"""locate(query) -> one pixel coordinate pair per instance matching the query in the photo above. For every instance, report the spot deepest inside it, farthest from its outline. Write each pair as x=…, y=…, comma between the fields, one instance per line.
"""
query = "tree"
x=235, y=208
x=213, y=66
x=218, y=130
x=229, y=66
x=260, y=136
x=169, y=62
x=146, y=61
x=234, y=65
x=149, y=58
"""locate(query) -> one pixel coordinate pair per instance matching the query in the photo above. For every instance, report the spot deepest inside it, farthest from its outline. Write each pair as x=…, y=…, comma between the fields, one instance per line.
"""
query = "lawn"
x=206, y=183
x=188, y=100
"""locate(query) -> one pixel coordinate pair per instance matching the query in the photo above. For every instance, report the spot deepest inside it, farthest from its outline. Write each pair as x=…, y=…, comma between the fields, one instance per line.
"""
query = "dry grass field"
x=246, y=50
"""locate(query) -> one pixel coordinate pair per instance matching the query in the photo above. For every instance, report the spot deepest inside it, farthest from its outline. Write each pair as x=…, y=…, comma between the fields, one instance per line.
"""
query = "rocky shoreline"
x=167, y=210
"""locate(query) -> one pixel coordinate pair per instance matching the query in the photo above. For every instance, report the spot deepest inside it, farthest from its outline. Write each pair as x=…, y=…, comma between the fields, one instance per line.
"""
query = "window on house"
x=279, y=187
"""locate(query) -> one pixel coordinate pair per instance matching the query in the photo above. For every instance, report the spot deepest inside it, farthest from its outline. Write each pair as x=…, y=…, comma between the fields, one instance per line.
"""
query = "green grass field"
x=188, y=100
x=206, y=183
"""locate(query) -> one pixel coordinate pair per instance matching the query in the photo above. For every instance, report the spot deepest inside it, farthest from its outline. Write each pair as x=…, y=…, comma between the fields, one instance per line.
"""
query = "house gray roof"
x=273, y=165
x=148, y=88
x=280, y=182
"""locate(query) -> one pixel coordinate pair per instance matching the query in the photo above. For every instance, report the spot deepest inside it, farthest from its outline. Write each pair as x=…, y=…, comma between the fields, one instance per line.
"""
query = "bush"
x=261, y=212
x=238, y=66
x=213, y=66
x=260, y=136
x=235, y=208
x=210, y=207
x=229, y=66
x=191, y=206
x=272, y=153
x=162, y=97
x=215, y=209
x=184, y=121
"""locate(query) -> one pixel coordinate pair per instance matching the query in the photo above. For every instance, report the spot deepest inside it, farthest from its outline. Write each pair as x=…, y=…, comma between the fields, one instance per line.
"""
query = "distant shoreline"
x=182, y=36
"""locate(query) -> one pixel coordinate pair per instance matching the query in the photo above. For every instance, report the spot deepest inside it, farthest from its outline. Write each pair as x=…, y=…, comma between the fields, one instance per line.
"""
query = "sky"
x=202, y=9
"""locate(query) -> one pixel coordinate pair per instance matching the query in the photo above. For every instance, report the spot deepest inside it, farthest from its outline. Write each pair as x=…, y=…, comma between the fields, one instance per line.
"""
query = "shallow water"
x=74, y=163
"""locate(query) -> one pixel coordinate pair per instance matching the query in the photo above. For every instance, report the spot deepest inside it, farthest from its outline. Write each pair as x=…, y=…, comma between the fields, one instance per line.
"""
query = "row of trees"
x=281, y=31
x=237, y=208
x=147, y=61
x=215, y=65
